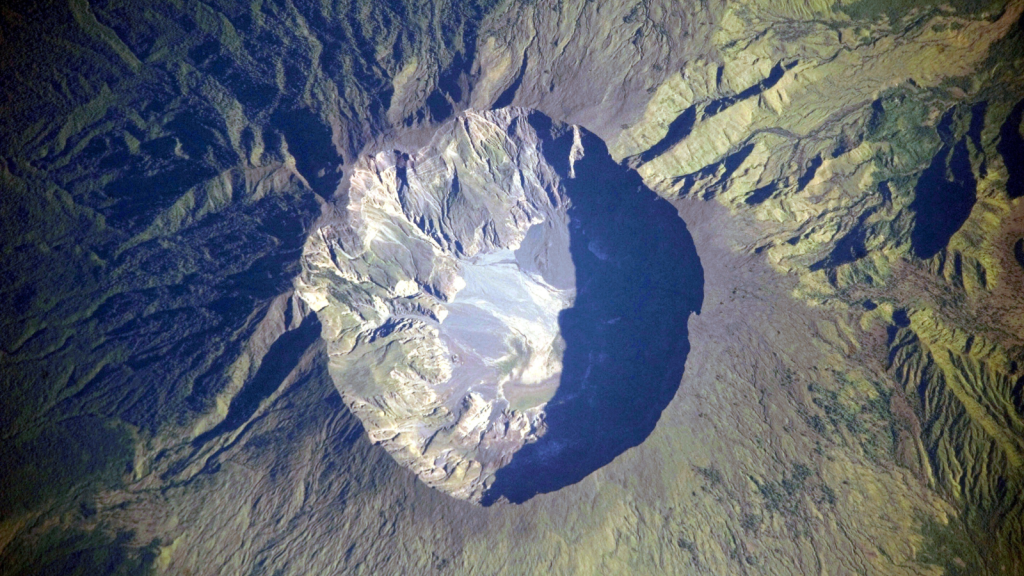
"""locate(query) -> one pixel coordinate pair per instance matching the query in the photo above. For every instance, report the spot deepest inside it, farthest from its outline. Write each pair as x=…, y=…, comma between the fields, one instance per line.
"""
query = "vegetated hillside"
x=852, y=396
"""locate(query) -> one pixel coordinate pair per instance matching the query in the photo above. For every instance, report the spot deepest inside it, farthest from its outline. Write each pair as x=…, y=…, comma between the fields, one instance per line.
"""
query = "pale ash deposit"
x=439, y=283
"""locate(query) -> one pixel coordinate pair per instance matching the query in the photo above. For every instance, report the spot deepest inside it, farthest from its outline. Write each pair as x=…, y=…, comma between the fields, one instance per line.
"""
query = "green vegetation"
x=79, y=553
x=950, y=546
x=783, y=496
x=711, y=474
x=903, y=120
x=58, y=458
x=750, y=522
x=786, y=495
x=862, y=412
x=896, y=10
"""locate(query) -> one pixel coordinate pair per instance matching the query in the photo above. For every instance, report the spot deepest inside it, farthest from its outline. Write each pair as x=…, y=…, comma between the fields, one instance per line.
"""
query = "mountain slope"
x=850, y=173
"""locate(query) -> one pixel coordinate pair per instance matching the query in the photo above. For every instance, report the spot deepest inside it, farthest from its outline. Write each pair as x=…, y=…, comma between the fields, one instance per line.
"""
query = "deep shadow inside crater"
x=638, y=278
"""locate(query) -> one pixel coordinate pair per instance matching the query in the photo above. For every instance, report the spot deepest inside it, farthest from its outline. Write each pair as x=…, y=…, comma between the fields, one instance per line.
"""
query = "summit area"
x=507, y=269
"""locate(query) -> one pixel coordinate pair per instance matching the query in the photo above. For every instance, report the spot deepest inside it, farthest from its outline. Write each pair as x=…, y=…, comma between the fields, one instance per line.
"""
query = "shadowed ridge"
x=1011, y=147
x=638, y=279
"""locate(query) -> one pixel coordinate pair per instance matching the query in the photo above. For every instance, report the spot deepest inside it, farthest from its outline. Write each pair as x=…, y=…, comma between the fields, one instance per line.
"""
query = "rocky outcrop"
x=508, y=265
x=439, y=283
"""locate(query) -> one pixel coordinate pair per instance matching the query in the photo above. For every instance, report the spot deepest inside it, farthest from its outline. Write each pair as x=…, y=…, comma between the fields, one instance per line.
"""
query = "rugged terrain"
x=509, y=284
x=180, y=178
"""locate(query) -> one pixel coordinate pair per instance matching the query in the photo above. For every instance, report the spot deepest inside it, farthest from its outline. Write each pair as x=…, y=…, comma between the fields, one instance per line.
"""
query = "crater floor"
x=506, y=308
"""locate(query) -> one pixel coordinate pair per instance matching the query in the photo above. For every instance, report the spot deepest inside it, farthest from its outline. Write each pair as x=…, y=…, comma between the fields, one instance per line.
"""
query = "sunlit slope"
x=879, y=167
x=851, y=174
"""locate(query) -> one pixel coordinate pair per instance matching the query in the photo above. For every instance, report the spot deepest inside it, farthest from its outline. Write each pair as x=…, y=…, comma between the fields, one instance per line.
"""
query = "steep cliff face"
x=217, y=216
x=441, y=318
x=452, y=281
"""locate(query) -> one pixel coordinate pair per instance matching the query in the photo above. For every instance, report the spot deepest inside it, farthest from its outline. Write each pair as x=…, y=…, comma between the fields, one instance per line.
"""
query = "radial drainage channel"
x=506, y=309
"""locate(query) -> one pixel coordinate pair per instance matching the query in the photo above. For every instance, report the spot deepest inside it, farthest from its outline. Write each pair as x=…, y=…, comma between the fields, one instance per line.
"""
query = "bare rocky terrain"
x=504, y=288
x=279, y=279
